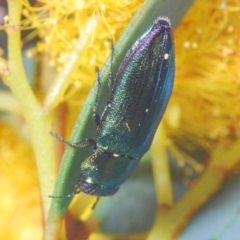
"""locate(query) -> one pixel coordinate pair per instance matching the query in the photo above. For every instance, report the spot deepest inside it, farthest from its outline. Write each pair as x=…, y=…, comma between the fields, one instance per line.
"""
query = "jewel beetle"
x=140, y=92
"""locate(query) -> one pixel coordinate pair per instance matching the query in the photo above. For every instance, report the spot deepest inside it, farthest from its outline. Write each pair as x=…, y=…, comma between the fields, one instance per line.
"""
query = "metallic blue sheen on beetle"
x=139, y=95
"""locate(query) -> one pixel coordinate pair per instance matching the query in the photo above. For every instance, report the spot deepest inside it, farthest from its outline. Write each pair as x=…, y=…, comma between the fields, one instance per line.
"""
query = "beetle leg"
x=110, y=79
x=84, y=143
x=81, y=144
x=95, y=115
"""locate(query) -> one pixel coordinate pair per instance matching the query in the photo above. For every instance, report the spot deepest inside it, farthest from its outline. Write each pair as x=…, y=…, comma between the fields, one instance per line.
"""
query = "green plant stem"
x=38, y=122
x=68, y=174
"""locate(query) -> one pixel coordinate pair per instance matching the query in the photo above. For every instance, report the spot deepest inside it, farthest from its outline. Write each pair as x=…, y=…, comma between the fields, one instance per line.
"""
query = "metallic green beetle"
x=139, y=96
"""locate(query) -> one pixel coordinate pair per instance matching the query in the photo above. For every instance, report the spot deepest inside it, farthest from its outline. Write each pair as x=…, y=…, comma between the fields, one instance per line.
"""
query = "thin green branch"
x=39, y=124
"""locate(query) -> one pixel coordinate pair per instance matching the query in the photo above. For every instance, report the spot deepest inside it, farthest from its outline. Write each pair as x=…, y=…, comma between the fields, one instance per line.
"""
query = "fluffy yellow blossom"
x=204, y=110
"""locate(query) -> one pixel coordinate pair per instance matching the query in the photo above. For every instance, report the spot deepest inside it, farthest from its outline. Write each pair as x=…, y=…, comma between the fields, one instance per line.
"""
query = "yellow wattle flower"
x=206, y=94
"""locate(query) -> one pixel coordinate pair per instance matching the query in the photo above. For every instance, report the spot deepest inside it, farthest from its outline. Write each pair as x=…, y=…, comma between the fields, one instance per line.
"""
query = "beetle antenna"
x=65, y=196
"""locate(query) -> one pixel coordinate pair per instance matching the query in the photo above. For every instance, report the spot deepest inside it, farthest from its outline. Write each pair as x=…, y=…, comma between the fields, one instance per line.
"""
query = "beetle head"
x=88, y=186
